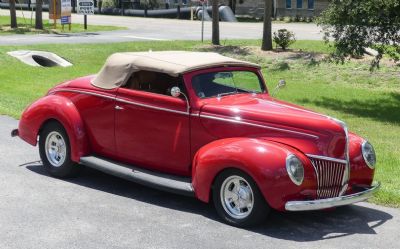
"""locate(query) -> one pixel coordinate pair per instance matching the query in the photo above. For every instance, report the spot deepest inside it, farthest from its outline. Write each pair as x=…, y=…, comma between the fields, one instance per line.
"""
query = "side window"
x=310, y=4
x=288, y=4
x=153, y=82
x=299, y=4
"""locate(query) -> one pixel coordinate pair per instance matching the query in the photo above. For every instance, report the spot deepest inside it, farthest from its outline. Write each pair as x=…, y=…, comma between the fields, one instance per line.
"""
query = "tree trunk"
x=100, y=4
x=215, y=23
x=267, y=33
x=13, y=15
x=38, y=15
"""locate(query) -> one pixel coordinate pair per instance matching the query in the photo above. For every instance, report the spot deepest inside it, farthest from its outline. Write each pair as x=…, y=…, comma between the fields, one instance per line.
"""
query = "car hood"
x=264, y=117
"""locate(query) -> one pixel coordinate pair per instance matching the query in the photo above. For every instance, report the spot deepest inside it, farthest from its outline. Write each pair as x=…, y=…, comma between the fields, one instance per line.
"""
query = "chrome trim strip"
x=150, y=106
x=83, y=92
x=346, y=176
x=121, y=100
x=186, y=113
x=332, y=202
x=327, y=158
x=255, y=125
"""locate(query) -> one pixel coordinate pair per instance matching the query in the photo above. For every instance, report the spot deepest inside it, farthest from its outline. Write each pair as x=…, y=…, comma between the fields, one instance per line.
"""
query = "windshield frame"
x=256, y=71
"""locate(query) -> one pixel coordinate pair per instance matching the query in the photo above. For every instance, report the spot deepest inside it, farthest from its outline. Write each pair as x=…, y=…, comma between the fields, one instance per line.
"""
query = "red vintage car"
x=203, y=125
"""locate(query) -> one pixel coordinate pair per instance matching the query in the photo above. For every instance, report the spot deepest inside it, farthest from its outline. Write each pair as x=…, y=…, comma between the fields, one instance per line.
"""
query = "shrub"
x=284, y=38
x=354, y=25
x=109, y=4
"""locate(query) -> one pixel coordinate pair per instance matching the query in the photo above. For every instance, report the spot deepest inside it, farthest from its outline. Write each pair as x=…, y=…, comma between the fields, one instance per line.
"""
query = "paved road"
x=153, y=29
x=100, y=211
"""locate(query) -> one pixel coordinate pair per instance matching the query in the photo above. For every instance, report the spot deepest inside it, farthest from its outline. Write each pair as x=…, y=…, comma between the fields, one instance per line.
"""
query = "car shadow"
x=296, y=226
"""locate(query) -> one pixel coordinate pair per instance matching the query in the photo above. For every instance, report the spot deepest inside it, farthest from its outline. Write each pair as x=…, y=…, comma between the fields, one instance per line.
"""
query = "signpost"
x=54, y=11
x=85, y=7
x=66, y=13
x=202, y=20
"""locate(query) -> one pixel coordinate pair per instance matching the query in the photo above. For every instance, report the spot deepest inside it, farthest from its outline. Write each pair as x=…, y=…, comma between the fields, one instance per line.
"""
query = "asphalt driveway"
x=100, y=211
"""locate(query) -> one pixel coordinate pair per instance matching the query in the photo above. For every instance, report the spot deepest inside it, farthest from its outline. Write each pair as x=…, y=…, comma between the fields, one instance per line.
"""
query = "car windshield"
x=217, y=84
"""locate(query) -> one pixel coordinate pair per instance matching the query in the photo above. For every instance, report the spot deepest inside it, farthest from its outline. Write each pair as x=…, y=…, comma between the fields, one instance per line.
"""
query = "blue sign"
x=65, y=19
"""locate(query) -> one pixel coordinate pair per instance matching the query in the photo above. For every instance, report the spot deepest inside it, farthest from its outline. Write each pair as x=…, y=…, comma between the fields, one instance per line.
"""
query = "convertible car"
x=203, y=125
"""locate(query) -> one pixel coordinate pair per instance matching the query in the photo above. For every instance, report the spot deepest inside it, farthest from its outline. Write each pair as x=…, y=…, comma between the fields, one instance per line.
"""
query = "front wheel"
x=55, y=151
x=238, y=200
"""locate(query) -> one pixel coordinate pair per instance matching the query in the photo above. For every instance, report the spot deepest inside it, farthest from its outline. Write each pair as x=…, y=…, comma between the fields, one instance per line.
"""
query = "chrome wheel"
x=56, y=149
x=237, y=197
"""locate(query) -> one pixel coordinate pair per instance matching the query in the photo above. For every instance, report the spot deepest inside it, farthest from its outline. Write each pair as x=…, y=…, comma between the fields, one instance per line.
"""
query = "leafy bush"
x=284, y=38
x=357, y=24
x=109, y=3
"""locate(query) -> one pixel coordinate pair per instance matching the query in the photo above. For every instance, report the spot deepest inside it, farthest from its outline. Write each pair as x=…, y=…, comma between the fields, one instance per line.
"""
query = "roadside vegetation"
x=25, y=26
x=368, y=102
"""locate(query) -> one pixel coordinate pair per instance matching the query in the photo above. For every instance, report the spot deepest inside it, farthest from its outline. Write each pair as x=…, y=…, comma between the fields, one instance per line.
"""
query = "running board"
x=165, y=182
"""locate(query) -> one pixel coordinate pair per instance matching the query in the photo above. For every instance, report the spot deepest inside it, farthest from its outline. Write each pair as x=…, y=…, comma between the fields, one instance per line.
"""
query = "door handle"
x=117, y=107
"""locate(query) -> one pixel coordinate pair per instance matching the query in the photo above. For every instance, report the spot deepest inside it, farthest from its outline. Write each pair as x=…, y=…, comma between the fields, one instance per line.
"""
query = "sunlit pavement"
x=96, y=210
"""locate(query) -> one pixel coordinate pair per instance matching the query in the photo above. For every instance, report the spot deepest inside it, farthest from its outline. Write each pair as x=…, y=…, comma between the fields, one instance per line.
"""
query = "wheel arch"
x=264, y=161
x=55, y=108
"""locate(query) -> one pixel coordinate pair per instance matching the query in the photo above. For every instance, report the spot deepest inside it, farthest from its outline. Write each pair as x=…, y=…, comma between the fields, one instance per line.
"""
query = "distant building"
x=303, y=8
x=251, y=8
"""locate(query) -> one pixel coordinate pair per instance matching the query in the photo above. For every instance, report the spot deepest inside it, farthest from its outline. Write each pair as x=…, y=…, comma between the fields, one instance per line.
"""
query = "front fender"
x=264, y=161
x=61, y=109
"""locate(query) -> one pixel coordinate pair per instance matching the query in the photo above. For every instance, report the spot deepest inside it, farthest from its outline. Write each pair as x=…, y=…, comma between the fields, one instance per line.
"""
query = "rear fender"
x=58, y=108
x=264, y=161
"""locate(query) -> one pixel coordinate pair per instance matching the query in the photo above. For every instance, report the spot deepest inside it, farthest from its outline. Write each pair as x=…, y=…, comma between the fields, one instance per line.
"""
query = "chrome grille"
x=329, y=177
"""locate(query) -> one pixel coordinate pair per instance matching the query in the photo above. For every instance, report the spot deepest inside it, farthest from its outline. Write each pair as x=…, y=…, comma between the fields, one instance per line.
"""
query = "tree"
x=13, y=15
x=267, y=29
x=38, y=15
x=354, y=25
x=215, y=23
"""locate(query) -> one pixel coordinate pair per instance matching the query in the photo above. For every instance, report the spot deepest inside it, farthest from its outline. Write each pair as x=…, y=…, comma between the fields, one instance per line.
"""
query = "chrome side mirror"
x=175, y=91
x=281, y=84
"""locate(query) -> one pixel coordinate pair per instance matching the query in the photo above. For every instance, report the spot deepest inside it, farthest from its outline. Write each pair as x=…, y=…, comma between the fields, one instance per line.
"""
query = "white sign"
x=65, y=11
x=85, y=7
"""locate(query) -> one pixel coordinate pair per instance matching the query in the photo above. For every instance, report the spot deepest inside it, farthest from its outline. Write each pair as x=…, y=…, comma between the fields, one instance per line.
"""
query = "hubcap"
x=56, y=149
x=237, y=197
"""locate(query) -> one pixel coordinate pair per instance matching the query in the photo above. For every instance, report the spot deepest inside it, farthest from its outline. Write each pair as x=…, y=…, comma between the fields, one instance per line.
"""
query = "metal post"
x=202, y=23
x=55, y=13
x=85, y=22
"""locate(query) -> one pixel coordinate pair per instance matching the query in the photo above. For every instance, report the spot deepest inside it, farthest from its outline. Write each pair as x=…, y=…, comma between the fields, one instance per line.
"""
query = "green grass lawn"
x=368, y=102
x=25, y=27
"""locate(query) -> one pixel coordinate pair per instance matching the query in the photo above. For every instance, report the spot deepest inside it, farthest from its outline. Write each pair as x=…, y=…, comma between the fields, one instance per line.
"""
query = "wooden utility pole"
x=38, y=14
x=267, y=30
x=215, y=22
x=13, y=15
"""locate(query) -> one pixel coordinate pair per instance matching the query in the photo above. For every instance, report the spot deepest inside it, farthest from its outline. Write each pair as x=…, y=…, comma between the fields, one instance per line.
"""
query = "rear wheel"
x=238, y=200
x=55, y=151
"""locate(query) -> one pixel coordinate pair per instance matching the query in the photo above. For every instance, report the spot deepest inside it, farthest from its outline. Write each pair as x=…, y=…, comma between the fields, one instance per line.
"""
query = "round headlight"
x=368, y=153
x=295, y=169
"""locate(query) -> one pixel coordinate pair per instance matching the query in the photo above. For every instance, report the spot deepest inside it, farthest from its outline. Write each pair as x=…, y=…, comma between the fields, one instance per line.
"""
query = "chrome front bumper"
x=332, y=202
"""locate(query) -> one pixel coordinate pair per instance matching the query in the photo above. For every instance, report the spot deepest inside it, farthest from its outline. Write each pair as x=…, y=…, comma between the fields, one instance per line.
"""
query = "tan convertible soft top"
x=119, y=66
